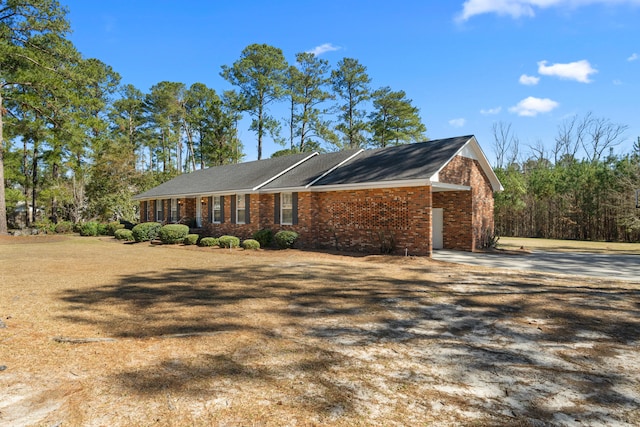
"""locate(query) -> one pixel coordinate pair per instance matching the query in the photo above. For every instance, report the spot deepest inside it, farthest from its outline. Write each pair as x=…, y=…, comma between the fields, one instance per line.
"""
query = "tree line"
x=576, y=189
x=76, y=144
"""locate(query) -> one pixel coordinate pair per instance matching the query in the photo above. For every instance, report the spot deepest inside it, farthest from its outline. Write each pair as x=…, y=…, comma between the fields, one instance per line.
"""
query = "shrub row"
x=179, y=233
x=90, y=228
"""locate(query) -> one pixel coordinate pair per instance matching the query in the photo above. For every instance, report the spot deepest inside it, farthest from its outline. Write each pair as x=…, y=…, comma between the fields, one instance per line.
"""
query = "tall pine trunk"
x=3, y=204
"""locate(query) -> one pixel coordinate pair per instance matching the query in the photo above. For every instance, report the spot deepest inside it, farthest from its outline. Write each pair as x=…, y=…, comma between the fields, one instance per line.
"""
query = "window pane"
x=240, y=201
x=174, y=210
x=287, y=216
x=286, y=200
x=217, y=209
x=240, y=216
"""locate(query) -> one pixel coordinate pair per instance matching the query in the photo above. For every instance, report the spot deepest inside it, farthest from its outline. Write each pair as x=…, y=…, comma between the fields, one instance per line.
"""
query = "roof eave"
x=191, y=195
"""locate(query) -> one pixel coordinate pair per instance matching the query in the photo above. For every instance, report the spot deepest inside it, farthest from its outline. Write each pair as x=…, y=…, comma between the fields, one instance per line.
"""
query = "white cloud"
x=491, y=111
x=457, y=123
x=531, y=107
x=529, y=80
x=323, y=48
x=578, y=70
x=519, y=8
x=633, y=57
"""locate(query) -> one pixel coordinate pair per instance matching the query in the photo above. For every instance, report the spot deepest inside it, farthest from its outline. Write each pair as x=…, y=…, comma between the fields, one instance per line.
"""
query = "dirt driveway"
x=101, y=333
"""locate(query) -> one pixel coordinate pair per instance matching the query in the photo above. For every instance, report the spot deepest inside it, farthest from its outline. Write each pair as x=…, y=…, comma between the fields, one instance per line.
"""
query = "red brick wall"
x=468, y=216
x=457, y=216
x=368, y=220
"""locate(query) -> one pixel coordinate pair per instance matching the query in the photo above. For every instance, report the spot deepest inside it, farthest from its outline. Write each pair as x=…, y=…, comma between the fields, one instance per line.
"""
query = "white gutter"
x=372, y=185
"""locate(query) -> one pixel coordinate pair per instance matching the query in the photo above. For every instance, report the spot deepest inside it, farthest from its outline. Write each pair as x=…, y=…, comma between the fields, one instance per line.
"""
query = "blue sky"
x=465, y=64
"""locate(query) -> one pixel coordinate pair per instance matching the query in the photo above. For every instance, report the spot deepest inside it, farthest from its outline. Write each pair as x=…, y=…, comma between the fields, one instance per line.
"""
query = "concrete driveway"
x=623, y=267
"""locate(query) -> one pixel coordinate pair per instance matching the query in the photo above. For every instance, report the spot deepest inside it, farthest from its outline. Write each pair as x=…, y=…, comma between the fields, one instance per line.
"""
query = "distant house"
x=409, y=198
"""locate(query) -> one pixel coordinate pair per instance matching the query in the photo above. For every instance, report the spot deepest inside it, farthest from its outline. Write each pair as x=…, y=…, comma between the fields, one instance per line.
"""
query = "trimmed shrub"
x=124, y=234
x=191, y=239
x=229, y=242
x=251, y=244
x=89, y=228
x=208, y=241
x=286, y=238
x=146, y=231
x=64, y=227
x=44, y=226
x=173, y=233
x=112, y=227
x=103, y=230
x=264, y=237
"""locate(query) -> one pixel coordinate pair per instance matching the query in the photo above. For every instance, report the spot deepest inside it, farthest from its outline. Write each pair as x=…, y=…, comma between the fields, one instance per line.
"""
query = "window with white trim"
x=217, y=209
x=240, y=209
x=159, y=215
x=174, y=210
x=286, y=208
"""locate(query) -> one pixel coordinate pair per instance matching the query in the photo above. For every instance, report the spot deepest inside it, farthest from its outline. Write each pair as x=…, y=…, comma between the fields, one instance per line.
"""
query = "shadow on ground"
x=360, y=340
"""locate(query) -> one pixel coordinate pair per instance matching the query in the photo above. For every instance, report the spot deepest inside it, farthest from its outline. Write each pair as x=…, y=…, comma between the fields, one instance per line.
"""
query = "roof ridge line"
x=257, y=187
x=334, y=168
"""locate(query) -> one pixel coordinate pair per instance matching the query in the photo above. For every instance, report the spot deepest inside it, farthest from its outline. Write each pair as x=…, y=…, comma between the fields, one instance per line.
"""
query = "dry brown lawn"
x=620, y=248
x=99, y=333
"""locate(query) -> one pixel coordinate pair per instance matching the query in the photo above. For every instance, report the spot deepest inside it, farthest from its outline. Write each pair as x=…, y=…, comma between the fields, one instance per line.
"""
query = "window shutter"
x=234, y=214
x=247, y=208
x=144, y=216
x=294, y=208
x=276, y=208
x=210, y=207
x=177, y=211
x=222, y=209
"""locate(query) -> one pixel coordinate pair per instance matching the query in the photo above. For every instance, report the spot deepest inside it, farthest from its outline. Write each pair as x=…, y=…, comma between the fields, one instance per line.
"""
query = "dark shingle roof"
x=397, y=163
x=310, y=170
x=227, y=178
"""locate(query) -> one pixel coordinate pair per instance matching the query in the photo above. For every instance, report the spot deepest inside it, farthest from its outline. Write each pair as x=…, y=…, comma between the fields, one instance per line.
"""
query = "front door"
x=437, y=225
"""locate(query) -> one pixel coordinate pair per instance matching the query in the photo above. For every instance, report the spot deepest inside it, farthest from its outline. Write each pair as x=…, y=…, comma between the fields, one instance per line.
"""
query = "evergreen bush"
x=191, y=239
x=251, y=244
x=264, y=237
x=89, y=228
x=229, y=242
x=146, y=231
x=124, y=234
x=64, y=227
x=103, y=230
x=208, y=242
x=44, y=226
x=286, y=238
x=173, y=233
x=113, y=226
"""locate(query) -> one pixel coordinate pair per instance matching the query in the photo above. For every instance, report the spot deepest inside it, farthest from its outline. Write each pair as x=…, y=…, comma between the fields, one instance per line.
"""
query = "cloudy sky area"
x=529, y=63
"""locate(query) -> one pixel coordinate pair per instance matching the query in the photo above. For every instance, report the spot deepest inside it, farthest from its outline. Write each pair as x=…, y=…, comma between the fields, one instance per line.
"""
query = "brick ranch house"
x=409, y=198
